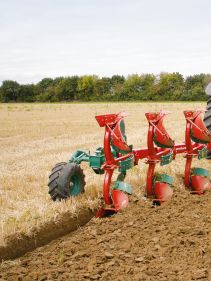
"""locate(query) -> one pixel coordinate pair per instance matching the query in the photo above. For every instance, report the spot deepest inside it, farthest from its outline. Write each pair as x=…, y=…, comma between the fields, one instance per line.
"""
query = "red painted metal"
x=106, y=186
x=179, y=148
x=107, y=147
x=160, y=134
x=105, y=212
x=200, y=184
x=120, y=199
x=156, y=130
x=163, y=192
x=117, y=138
x=189, y=154
x=159, y=143
x=149, y=180
x=122, y=157
x=195, y=127
x=198, y=128
x=113, y=134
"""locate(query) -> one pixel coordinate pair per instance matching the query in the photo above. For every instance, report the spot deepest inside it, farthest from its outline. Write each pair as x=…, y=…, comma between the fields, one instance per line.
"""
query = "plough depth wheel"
x=65, y=180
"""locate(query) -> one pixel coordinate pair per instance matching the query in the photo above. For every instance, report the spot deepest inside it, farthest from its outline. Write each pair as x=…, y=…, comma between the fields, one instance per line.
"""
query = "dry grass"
x=33, y=137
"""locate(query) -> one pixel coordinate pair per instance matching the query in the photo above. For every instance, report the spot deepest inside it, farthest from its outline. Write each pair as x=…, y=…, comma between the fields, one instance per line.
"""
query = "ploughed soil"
x=17, y=245
x=171, y=242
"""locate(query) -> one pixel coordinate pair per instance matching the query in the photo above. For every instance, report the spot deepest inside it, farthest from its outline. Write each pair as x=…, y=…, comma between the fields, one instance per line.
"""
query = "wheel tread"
x=59, y=180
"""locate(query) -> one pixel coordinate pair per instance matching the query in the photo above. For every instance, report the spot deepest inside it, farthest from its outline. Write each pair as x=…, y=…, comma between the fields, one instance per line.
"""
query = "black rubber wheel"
x=207, y=121
x=65, y=180
x=207, y=116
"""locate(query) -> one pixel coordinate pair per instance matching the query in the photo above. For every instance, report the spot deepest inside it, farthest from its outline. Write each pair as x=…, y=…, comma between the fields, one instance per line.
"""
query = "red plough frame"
x=160, y=149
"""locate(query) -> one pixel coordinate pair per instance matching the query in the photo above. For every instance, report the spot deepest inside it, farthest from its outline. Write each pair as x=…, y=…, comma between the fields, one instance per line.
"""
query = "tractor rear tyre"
x=65, y=180
x=207, y=116
x=207, y=121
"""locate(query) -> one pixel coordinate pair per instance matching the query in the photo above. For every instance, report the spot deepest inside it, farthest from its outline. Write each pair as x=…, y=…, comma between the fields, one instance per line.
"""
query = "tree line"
x=145, y=87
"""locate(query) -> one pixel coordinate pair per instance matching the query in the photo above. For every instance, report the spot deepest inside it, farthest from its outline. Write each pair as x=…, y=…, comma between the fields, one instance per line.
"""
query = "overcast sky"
x=51, y=38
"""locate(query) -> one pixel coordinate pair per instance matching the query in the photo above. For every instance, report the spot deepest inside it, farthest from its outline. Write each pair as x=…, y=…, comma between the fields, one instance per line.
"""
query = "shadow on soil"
x=17, y=246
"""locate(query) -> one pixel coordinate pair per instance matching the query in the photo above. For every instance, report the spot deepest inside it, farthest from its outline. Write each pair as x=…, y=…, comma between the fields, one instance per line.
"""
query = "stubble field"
x=33, y=137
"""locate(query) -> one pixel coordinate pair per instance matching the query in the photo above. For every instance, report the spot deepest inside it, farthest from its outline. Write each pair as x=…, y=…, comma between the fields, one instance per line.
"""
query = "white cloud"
x=55, y=38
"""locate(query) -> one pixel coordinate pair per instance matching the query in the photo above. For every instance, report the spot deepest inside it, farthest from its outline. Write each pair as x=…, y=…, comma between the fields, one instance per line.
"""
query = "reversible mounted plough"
x=67, y=178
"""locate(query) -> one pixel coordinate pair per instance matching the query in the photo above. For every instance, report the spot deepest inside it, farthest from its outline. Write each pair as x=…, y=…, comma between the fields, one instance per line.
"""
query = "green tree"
x=26, y=93
x=194, y=87
x=43, y=86
x=132, y=86
x=117, y=79
x=48, y=96
x=86, y=87
x=166, y=86
x=117, y=87
x=57, y=80
x=138, y=87
x=102, y=88
x=66, y=89
x=9, y=91
x=170, y=86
